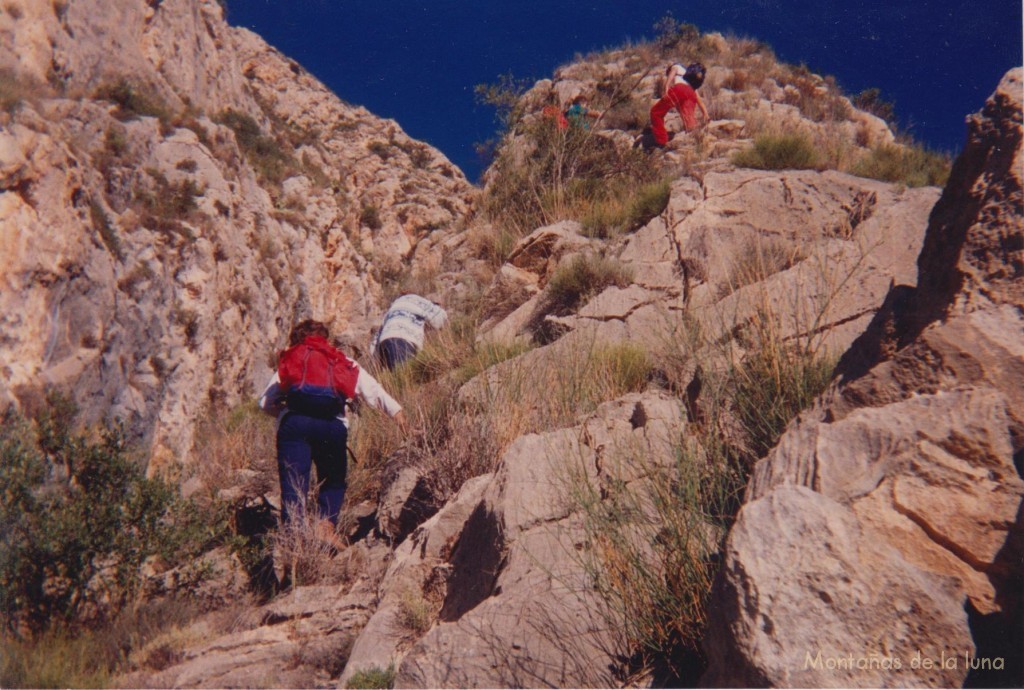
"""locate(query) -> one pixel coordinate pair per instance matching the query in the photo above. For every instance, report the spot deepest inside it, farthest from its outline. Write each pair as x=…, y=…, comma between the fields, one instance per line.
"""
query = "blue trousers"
x=301, y=443
x=394, y=351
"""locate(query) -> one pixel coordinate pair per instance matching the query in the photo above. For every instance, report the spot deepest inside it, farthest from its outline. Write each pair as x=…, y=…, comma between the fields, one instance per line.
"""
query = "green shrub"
x=135, y=100
x=912, y=165
x=772, y=385
x=106, y=231
x=376, y=677
x=584, y=275
x=779, y=152
x=267, y=156
x=626, y=212
x=651, y=543
x=370, y=217
x=79, y=520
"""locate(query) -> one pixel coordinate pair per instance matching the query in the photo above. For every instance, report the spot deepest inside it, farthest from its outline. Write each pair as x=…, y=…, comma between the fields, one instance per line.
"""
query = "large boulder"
x=518, y=609
x=886, y=526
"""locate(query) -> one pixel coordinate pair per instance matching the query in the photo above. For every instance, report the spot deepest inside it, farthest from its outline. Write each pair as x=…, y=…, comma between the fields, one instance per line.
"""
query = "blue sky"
x=417, y=61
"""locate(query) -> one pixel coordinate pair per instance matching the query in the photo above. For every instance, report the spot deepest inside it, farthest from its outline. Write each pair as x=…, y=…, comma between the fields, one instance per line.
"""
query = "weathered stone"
x=915, y=452
x=518, y=610
x=807, y=599
x=405, y=504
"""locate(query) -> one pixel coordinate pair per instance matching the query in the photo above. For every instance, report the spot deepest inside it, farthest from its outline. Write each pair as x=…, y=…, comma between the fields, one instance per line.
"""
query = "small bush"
x=650, y=547
x=106, y=231
x=115, y=140
x=779, y=152
x=415, y=613
x=377, y=678
x=89, y=658
x=544, y=174
x=627, y=213
x=381, y=148
x=871, y=101
x=80, y=518
x=370, y=217
x=267, y=156
x=15, y=90
x=135, y=101
x=306, y=545
x=584, y=275
x=772, y=386
x=912, y=165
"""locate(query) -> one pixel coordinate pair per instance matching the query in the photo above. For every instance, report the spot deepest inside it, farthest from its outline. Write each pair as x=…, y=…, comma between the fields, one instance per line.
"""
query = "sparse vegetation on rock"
x=631, y=336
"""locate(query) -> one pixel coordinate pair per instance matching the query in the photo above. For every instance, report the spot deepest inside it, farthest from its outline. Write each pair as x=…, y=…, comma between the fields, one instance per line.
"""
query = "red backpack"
x=316, y=378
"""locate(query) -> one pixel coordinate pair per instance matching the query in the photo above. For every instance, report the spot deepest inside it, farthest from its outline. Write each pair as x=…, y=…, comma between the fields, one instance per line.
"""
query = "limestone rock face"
x=907, y=471
x=174, y=193
x=818, y=251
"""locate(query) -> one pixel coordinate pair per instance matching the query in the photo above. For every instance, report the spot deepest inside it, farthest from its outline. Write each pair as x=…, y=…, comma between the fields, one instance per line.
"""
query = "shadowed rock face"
x=153, y=258
x=887, y=521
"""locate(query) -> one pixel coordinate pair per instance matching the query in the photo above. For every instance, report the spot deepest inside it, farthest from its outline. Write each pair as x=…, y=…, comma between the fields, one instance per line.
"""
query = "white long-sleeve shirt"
x=405, y=319
x=272, y=401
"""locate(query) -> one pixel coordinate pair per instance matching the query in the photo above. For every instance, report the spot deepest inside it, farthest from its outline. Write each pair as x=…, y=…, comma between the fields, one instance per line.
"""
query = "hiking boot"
x=327, y=533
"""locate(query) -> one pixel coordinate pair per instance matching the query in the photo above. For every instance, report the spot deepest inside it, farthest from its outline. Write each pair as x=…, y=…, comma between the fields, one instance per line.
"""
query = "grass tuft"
x=779, y=152
x=913, y=165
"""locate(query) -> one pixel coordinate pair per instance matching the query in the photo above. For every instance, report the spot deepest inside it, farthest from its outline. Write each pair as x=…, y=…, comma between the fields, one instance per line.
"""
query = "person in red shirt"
x=681, y=86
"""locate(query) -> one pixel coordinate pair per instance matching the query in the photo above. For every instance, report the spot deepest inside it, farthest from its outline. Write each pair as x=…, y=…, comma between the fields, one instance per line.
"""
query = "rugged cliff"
x=174, y=194
x=899, y=494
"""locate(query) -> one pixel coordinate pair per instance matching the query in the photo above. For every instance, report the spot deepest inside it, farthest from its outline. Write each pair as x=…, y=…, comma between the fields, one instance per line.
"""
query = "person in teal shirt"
x=578, y=112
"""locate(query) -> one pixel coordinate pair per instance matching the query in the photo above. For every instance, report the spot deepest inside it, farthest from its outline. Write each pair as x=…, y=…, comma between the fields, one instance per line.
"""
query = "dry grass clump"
x=544, y=174
x=375, y=678
x=241, y=439
x=450, y=442
x=615, y=214
x=912, y=165
x=758, y=259
x=306, y=547
x=552, y=388
x=651, y=543
x=581, y=277
x=416, y=613
x=144, y=637
x=791, y=151
x=16, y=90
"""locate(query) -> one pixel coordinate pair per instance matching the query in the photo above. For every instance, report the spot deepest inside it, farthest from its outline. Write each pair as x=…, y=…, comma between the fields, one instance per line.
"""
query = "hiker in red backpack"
x=681, y=84
x=308, y=395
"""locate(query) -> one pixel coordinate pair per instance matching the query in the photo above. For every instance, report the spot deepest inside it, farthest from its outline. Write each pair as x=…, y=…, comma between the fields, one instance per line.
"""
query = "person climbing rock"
x=681, y=84
x=307, y=394
x=402, y=333
x=578, y=112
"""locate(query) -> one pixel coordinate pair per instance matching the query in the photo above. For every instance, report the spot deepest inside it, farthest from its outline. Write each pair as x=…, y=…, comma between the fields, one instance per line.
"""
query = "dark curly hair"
x=304, y=329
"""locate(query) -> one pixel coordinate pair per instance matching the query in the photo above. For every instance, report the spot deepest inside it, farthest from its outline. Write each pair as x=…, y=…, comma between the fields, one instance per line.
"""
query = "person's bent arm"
x=374, y=395
x=670, y=79
x=703, y=109
x=272, y=399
